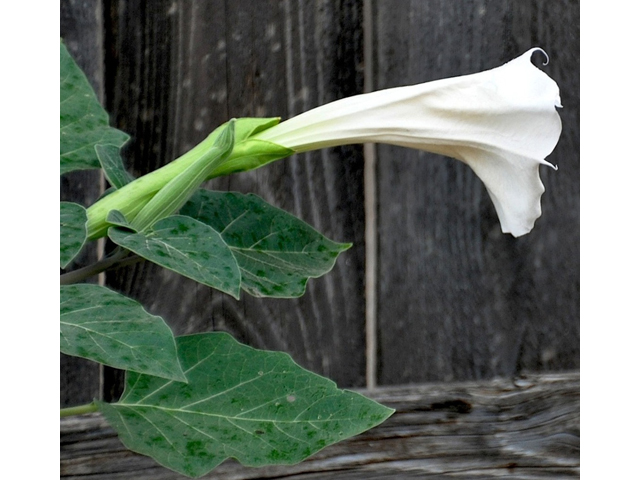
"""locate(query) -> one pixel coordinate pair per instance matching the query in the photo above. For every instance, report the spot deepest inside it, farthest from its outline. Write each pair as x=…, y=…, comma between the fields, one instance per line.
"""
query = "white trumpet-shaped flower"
x=501, y=122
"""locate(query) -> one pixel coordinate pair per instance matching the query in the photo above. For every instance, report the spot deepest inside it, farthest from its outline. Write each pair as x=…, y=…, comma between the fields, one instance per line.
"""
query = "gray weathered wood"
x=457, y=298
x=523, y=428
x=178, y=70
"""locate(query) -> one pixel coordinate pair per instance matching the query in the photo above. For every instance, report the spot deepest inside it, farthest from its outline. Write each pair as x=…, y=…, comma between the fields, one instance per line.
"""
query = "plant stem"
x=79, y=410
x=118, y=257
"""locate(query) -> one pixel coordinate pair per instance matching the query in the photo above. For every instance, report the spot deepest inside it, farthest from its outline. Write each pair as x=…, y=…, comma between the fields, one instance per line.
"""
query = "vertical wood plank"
x=458, y=299
x=551, y=335
x=179, y=69
x=81, y=31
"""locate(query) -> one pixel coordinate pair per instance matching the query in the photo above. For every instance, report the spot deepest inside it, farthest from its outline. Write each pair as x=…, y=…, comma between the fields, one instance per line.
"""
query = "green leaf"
x=113, y=166
x=109, y=328
x=256, y=406
x=277, y=252
x=186, y=246
x=117, y=218
x=83, y=122
x=73, y=231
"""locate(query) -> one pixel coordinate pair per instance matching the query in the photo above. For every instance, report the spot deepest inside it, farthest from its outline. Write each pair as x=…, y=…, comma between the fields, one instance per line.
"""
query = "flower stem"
x=118, y=258
x=79, y=410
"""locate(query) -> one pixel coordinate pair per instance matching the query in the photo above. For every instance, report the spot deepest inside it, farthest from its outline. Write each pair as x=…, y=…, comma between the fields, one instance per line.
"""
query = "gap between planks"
x=370, y=217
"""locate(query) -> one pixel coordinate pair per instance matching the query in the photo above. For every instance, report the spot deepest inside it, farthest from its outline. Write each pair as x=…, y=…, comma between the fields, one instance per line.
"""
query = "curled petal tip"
x=533, y=50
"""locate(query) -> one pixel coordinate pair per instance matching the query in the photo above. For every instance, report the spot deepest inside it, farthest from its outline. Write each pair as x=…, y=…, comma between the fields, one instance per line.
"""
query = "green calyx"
x=228, y=149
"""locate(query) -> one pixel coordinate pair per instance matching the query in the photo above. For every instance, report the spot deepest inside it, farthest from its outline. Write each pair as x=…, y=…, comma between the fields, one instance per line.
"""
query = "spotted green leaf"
x=73, y=231
x=113, y=166
x=83, y=122
x=256, y=406
x=186, y=246
x=104, y=326
x=277, y=252
x=117, y=218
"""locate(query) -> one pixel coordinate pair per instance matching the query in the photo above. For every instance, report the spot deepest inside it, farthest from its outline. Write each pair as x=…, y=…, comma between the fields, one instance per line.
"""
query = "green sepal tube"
x=247, y=154
x=178, y=190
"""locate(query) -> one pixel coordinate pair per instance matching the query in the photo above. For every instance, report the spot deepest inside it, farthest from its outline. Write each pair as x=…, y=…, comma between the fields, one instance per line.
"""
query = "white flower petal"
x=502, y=123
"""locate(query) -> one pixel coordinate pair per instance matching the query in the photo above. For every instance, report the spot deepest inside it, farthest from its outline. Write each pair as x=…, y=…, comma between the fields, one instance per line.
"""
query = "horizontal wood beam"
x=521, y=428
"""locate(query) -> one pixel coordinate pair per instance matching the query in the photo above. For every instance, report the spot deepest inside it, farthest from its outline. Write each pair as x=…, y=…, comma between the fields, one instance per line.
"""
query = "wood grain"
x=178, y=70
x=522, y=428
x=457, y=298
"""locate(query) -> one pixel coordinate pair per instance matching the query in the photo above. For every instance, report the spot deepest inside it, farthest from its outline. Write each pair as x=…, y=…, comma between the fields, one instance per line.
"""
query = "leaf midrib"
x=133, y=406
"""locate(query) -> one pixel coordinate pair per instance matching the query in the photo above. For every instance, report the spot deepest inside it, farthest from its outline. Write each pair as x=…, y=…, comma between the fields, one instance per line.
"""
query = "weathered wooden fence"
x=450, y=298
